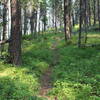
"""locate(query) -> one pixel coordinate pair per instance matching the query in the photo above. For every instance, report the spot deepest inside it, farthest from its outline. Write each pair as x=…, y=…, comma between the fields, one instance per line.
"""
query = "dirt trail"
x=46, y=82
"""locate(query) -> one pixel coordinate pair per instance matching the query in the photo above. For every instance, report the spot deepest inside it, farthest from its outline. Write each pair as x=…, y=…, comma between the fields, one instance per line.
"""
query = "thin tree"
x=5, y=19
x=5, y=8
x=80, y=25
x=89, y=11
x=94, y=12
x=98, y=2
x=25, y=21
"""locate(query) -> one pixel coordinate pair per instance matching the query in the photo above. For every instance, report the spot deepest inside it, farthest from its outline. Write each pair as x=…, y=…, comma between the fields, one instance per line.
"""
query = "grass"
x=76, y=76
x=23, y=83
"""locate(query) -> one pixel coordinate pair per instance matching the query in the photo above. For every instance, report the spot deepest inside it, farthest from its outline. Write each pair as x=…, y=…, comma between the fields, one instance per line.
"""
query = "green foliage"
x=15, y=84
x=22, y=83
x=75, y=76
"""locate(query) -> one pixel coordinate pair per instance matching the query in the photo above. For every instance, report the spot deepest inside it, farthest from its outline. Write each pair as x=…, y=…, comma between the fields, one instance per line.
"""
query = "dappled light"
x=49, y=49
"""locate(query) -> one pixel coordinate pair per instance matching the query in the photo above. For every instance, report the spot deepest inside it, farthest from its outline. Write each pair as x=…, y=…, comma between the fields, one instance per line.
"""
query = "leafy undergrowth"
x=23, y=83
x=76, y=76
x=16, y=84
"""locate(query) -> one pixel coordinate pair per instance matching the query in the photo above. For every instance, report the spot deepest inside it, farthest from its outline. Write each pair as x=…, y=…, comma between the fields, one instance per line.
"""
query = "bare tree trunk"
x=67, y=19
x=80, y=25
x=86, y=18
x=39, y=23
x=73, y=19
x=55, y=24
x=15, y=39
x=32, y=23
x=4, y=23
x=25, y=21
x=35, y=25
x=5, y=20
x=53, y=17
x=99, y=12
x=94, y=12
x=45, y=19
x=89, y=4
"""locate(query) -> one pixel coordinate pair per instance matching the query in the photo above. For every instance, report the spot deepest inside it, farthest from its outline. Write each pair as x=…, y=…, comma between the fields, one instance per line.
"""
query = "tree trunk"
x=4, y=23
x=80, y=25
x=32, y=23
x=5, y=20
x=55, y=24
x=85, y=3
x=94, y=12
x=67, y=19
x=89, y=10
x=39, y=24
x=45, y=19
x=35, y=25
x=15, y=38
x=99, y=12
x=25, y=21
x=73, y=19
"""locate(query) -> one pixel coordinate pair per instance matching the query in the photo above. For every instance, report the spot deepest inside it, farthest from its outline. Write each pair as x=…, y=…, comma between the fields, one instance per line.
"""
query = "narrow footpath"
x=46, y=82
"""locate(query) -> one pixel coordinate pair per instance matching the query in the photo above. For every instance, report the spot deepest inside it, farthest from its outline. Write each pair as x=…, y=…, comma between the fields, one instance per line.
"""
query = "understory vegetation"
x=49, y=49
x=75, y=76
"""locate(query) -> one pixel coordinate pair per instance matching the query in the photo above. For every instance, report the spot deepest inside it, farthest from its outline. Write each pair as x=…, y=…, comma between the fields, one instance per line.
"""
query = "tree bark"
x=5, y=19
x=4, y=23
x=99, y=12
x=89, y=10
x=80, y=25
x=25, y=21
x=94, y=12
x=35, y=25
x=67, y=19
x=15, y=43
x=32, y=23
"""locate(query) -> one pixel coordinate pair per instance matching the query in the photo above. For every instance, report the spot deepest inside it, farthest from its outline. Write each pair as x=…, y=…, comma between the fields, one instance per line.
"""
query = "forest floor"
x=53, y=70
x=46, y=81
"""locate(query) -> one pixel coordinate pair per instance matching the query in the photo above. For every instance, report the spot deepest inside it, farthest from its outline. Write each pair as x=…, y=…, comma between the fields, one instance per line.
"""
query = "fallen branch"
x=4, y=41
